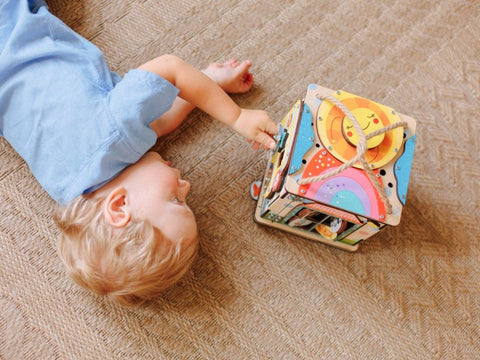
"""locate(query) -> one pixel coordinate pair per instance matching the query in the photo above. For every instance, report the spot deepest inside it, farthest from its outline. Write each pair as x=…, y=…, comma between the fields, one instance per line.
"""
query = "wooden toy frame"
x=340, y=171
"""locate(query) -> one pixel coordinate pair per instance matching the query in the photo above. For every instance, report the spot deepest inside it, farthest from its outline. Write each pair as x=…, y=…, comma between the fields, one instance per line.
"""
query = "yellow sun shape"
x=369, y=121
x=338, y=136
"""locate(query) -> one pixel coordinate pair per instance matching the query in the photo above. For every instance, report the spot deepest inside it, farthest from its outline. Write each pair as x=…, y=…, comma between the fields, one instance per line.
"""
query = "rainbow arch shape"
x=351, y=190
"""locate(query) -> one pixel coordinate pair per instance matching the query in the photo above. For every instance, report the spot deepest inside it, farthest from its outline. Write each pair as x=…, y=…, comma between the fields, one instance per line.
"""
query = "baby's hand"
x=256, y=126
x=232, y=76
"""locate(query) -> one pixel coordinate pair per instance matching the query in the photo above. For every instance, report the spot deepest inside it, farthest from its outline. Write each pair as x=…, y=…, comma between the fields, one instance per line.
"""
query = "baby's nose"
x=184, y=187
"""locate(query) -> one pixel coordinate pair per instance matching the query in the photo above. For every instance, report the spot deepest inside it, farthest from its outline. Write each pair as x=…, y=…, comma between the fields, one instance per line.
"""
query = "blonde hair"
x=131, y=264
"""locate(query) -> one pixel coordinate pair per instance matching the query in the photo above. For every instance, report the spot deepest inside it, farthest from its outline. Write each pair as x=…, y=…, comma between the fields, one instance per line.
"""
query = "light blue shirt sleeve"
x=138, y=99
x=76, y=123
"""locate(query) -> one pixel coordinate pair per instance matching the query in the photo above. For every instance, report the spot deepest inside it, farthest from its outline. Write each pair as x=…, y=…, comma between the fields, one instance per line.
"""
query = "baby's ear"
x=114, y=209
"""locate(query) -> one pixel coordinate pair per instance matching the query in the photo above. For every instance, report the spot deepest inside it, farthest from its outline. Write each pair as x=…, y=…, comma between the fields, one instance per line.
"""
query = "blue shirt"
x=76, y=123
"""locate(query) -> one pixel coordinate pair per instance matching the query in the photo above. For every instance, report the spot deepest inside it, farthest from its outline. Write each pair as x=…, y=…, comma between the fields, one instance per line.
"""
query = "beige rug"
x=412, y=292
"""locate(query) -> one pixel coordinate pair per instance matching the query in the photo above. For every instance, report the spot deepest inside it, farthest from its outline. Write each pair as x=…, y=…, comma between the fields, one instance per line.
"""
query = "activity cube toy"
x=340, y=171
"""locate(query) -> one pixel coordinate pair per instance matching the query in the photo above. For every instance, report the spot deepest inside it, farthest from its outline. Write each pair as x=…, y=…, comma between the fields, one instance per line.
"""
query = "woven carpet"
x=411, y=292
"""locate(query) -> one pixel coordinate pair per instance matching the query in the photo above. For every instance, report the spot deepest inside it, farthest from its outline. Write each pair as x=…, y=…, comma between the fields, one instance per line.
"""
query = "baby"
x=136, y=235
x=127, y=231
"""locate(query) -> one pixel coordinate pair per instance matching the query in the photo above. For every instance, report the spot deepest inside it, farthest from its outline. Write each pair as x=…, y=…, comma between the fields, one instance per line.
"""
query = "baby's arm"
x=199, y=90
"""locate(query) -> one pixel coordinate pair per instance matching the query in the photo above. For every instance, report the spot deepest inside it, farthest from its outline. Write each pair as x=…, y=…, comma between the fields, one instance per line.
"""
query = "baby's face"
x=159, y=195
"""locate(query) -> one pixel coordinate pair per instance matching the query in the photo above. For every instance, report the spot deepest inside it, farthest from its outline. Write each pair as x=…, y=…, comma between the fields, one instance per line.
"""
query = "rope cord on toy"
x=361, y=150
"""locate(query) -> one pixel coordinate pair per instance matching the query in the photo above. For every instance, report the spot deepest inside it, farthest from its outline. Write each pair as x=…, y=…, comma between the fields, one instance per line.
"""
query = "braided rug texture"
x=412, y=292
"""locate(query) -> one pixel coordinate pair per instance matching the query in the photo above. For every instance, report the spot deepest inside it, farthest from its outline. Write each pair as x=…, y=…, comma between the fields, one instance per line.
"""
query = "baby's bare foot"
x=232, y=76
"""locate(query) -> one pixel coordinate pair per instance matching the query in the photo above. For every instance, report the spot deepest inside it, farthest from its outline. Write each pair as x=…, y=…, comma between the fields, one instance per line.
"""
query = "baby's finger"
x=247, y=79
x=266, y=140
x=271, y=127
x=242, y=68
x=255, y=145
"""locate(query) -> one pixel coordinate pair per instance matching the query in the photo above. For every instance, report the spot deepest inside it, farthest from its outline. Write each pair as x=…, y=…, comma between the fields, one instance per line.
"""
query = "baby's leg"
x=232, y=76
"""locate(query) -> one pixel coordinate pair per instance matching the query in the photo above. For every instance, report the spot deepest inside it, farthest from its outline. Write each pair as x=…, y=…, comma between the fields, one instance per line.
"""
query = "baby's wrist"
x=235, y=124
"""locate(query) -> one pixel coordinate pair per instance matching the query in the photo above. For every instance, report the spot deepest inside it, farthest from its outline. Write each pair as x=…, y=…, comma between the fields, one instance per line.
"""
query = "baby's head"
x=133, y=237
